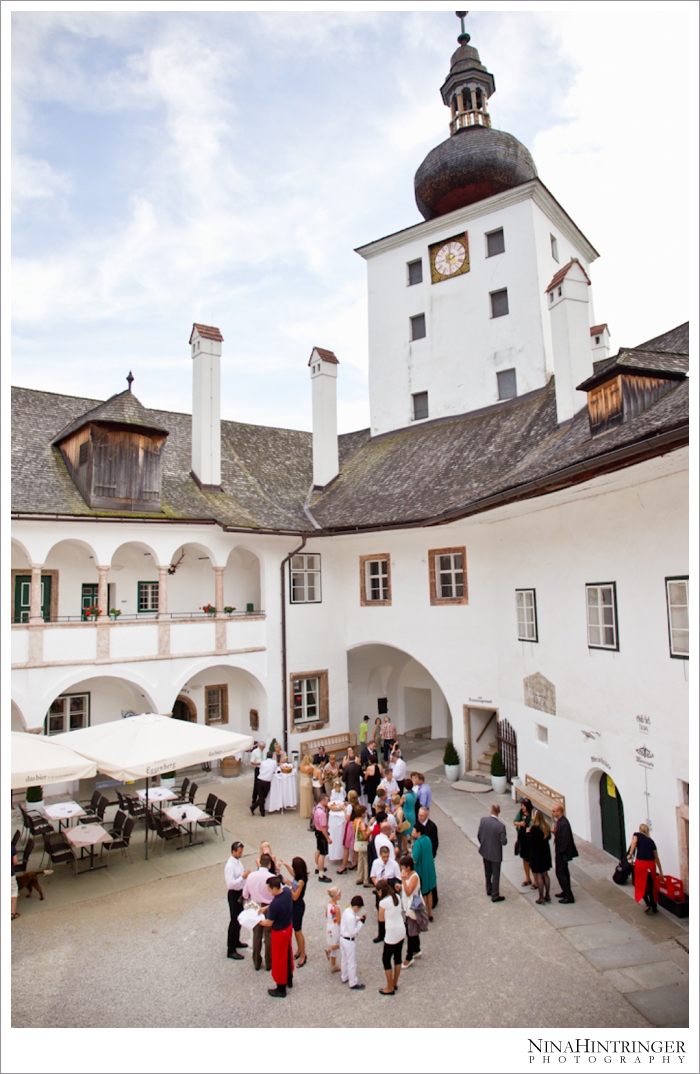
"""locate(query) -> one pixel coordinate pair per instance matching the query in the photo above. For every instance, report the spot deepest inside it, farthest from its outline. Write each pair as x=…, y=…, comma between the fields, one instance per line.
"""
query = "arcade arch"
x=95, y=700
x=223, y=695
x=383, y=677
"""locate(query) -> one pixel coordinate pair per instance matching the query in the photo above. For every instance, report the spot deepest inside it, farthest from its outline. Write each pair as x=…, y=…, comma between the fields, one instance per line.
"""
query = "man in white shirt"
x=389, y=784
x=257, y=756
x=384, y=867
x=383, y=839
x=235, y=876
x=267, y=770
x=351, y=922
x=256, y=889
x=398, y=769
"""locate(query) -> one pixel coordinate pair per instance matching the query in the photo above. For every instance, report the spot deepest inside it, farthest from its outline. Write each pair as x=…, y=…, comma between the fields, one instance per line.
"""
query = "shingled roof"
x=559, y=276
x=121, y=409
x=650, y=359
x=422, y=475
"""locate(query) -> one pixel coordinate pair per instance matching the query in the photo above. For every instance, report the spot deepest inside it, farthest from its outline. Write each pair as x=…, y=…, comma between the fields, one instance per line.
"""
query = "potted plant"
x=168, y=779
x=451, y=762
x=229, y=610
x=115, y=613
x=35, y=797
x=92, y=612
x=498, y=774
x=208, y=609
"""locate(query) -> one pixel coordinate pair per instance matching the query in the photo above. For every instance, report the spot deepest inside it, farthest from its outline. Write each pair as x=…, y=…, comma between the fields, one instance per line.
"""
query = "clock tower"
x=458, y=309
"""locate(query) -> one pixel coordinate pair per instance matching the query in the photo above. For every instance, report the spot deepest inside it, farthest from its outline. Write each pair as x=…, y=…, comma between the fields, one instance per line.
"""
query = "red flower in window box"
x=208, y=609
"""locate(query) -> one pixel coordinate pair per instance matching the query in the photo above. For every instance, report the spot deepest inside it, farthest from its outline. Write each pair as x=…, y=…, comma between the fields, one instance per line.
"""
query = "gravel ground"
x=124, y=953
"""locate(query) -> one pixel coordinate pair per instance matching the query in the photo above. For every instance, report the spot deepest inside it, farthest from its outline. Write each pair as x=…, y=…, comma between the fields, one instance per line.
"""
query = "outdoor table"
x=157, y=794
x=88, y=835
x=63, y=811
x=187, y=814
x=283, y=792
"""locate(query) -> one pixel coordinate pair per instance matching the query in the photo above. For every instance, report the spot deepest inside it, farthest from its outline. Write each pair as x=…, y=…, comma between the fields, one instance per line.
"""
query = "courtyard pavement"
x=143, y=944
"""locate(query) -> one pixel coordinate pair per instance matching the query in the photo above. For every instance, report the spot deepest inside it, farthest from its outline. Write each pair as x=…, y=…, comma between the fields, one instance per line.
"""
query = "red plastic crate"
x=673, y=888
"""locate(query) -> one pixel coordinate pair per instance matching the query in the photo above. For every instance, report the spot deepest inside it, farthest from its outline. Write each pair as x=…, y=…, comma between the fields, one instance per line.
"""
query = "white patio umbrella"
x=149, y=744
x=37, y=760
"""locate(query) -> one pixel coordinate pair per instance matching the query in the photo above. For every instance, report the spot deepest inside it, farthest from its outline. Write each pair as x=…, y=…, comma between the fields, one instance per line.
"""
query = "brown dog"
x=28, y=881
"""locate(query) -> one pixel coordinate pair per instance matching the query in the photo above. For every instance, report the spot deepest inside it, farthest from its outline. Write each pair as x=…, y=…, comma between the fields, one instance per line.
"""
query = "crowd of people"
x=369, y=818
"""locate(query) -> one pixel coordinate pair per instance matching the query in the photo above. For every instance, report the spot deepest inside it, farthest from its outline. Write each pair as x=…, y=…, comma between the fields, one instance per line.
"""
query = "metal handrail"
x=144, y=617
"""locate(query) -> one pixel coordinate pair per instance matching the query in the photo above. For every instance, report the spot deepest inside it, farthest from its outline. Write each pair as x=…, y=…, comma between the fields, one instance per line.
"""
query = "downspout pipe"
x=283, y=604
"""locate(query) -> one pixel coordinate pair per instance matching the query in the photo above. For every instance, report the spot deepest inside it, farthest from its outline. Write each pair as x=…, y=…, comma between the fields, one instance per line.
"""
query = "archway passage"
x=184, y=709
x=612, y=818
x=382, y=679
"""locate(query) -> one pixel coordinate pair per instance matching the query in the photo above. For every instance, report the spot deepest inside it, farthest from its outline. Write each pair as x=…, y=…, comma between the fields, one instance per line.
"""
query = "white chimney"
x=206, y=406
x=571, y=338
x=600, y=342
x=324, y=373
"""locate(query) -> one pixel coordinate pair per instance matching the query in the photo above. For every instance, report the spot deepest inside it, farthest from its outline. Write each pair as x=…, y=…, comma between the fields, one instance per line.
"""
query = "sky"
x=222, y=165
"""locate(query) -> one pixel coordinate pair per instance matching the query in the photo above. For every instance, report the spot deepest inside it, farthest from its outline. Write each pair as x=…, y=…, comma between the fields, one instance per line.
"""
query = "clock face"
x=449, y=258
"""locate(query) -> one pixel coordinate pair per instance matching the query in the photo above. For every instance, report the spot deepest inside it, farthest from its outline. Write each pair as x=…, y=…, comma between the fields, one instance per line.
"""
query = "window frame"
x=536, y=638
x=323, y=718
x=414, y=396
x=554, y=247
x=409, y=264
x=492, y=295
x=499, y=373
x=490, y=234
x=305, y=572
x=366, y=600
x=223, y=687
x=66, y=715
x=676, y=578
x=147, y=611
x=412, y=322
x=433, y=555
x=606, y=648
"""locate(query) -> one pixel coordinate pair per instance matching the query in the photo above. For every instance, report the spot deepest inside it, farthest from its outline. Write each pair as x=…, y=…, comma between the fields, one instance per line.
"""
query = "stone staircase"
x=482, y=772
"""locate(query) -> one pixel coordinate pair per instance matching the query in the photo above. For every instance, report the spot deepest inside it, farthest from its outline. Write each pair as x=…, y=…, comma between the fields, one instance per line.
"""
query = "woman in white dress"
x=333, y=928
x=336, y=821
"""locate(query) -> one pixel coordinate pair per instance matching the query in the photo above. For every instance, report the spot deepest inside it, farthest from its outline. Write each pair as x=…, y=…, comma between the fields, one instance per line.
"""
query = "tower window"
x=415, y=272
x=499, y=303
x=420, y=405
x=555, y=249
x=507, y=384
x=418, y=327
x=495, y=243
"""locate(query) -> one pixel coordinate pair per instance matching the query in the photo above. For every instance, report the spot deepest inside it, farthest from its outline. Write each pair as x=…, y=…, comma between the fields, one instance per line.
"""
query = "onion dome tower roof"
x=476, y=161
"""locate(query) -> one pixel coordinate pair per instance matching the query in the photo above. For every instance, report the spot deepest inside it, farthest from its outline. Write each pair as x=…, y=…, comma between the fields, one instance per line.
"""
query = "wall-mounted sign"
x=600, y=760
x=643, y=724
x=644, y=757
x=481, y=700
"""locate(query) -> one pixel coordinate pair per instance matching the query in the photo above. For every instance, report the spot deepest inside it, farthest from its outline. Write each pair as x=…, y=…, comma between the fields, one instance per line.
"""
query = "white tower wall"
x=206, y=410
x=571, y=341
x=324, y=375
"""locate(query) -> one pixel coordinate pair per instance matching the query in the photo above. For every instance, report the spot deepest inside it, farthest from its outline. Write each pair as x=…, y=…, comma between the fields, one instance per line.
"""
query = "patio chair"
x=166, y=830
x=59, y=851
x=92, y=805
x=135, y=808
x=121, y=841
x=119, y=820
x=193, y=788
x=16, y=837
x=24, y=864
x=35, y=824
x=181, y=792
x=211, y=802
x=96, y=814
x=215, y=821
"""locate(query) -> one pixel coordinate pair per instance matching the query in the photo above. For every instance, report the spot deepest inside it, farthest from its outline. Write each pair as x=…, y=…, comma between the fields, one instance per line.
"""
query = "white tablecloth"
x=64, y=811
x=283, y=792
x=192, y=814
x=88, y=835
x=157, y=794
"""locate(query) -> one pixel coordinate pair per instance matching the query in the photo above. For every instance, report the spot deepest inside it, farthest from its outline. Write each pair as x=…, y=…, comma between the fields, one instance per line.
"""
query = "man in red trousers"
x=279, y=919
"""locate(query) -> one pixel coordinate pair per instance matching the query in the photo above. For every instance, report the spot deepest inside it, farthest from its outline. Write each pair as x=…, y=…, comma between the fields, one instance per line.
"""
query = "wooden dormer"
x=113, y=455
x=624, y=386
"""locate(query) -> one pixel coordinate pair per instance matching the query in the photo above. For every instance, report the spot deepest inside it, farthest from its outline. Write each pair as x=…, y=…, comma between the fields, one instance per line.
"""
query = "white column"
x=571, y=340
x=35, y=615
x=206, y=407
x=324, y=374
x=162, y=592
x=102, y=591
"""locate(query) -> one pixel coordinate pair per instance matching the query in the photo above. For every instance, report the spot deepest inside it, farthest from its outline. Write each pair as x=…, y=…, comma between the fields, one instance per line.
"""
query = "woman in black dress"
x=372, y=779
x=522, y=822
x=300, y=878
x=539, y=837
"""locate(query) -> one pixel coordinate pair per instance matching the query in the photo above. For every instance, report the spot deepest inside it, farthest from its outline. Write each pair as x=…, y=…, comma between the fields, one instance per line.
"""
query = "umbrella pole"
x=147, y=807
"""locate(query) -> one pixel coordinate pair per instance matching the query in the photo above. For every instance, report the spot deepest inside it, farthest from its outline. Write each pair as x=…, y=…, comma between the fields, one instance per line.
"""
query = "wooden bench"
x=332, y=744
x=539, y=794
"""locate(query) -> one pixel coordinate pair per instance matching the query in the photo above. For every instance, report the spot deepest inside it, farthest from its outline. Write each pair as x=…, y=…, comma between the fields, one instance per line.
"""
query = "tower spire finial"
x=130, y=379
x=464, y=37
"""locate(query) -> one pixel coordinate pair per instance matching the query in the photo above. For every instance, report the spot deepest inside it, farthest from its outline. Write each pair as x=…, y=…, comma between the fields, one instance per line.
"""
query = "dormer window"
x=554, y=247
x=597, y=339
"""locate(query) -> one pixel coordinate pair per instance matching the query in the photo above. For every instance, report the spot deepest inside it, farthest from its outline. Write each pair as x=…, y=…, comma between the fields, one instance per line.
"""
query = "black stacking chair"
x=16, y=837
x=193, y=788
x=215, y=821
x=166, y=830
x=59, y=850
x=96, y=814
x=24, y=864
x=181, y=792
x=211, y=802
x=119, y=821
x=34, y=823
x=121, y=841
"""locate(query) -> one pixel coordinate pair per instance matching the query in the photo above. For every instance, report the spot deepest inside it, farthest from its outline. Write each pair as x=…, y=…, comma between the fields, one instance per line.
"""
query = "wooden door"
x=88, y=598
x=23, y=592
x=612, y=818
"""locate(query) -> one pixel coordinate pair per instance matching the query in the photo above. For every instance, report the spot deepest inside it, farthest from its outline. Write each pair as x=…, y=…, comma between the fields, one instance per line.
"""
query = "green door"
x=88, y=598
x=23, y=590
x=612, y=818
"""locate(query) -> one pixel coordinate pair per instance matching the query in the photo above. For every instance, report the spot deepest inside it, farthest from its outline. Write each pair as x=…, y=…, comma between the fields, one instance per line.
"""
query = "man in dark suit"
x=352, y=773
x=492, y=838
x=429, y=827
x=368, y=755
x=564, y=851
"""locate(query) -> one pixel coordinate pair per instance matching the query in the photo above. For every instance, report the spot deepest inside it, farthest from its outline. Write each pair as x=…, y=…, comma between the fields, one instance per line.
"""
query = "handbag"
x=623, y=871
x=404, y=826
x=422, y=920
